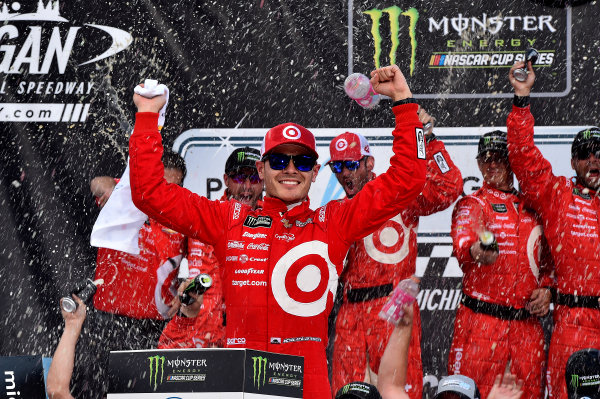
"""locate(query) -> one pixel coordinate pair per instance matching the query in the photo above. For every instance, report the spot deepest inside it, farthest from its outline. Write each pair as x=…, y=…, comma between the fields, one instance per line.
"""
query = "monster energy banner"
x=205, y=374
x=463, y=53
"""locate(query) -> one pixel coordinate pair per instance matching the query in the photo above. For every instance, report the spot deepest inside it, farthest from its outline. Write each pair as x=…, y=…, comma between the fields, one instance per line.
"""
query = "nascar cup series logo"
x=389, y=244
x=291, y=133
x=303, y=278
x=40, y=42
x=341, y=145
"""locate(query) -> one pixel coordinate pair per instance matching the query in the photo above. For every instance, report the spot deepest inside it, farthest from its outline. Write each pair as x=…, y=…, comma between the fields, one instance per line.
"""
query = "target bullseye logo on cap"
x=302, y=279
x=389, y=244
x=341, y=144
x=292, y=133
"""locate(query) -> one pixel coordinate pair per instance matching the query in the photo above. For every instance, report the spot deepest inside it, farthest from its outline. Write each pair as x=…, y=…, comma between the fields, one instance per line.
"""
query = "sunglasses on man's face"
x=493, y=156
x=338, y=166
x=584, y=151
x=304, y=163
x=240, y=178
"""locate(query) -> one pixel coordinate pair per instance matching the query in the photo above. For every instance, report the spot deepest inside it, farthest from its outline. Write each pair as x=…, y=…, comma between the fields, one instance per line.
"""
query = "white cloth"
x=119, y=222
x=152, y=89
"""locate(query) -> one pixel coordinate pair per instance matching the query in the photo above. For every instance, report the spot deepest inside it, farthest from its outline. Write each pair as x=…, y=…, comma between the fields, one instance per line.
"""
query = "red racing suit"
x=570, y=214
x=389, y=254
x=207, y=329
x=279, y=296
x=140, y=286
x=484, y=341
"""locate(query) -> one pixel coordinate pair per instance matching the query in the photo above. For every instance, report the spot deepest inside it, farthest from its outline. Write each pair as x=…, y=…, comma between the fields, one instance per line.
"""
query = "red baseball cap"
x=349, y=147
x=288, y=133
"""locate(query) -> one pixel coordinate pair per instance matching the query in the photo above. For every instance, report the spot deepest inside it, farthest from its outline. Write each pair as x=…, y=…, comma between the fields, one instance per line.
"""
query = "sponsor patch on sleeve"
x=441, y=162
x=420, y=143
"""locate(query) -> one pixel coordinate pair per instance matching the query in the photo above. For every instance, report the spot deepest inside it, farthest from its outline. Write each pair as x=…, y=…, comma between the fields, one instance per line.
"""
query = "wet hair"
x=172, y=160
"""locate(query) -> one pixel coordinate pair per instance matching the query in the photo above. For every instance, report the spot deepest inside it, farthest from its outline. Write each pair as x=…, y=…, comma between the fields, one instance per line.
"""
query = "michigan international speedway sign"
x=67, y=72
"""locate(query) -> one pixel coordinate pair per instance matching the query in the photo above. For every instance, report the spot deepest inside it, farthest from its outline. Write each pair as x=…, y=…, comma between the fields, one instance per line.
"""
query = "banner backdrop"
x=68, y=68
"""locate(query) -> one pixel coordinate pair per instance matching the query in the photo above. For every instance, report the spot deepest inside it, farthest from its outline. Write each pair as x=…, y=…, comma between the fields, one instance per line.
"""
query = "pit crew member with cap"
x=582, y=374
x=134, y=299
x=296, y=254
x=207, y=328
x=503, y=278
x=569, y=209
x=378, y=262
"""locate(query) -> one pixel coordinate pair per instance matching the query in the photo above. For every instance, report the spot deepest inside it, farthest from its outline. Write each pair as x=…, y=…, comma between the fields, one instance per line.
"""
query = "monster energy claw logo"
x=156, y=362
x=575, y=381
x=260, y=371
x=394, y=14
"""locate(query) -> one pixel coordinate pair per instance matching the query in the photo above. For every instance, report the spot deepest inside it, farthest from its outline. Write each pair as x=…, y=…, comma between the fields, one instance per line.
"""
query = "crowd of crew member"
x=519, y=251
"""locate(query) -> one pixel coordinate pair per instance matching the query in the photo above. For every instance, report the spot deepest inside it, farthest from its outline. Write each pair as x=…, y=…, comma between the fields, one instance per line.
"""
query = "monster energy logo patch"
x=242, y=156
x=500, y=208
x=579, y=193
x=259, y=368
x=156, y=362
x=575, y=381
x=394, y=14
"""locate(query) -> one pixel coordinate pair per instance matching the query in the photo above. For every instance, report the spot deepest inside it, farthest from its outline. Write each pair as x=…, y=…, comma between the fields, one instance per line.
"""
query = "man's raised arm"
x=170, y=204
x=392, y=191
x=532, y=170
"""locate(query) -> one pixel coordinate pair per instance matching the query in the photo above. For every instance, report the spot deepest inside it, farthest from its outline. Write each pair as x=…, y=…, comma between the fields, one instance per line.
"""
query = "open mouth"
x=245, y=198
x=349, y=184
x=595, y=173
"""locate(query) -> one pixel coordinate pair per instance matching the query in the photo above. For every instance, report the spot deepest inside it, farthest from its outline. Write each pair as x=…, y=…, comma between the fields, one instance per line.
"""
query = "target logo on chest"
x=389, y=244
x=302, y=279
x=534, y=250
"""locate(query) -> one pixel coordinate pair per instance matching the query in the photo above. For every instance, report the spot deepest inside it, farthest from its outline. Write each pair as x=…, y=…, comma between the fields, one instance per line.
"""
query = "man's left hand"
x=539, y=302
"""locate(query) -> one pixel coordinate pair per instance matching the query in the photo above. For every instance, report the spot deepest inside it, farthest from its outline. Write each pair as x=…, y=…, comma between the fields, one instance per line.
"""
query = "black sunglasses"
x=240, y=178
x=584, y=151
x=304, y=163
x=338, y=166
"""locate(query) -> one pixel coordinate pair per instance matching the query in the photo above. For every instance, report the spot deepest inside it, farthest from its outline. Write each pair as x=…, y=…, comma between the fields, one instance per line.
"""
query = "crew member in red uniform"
x=569, y=208
x=280, y=298
x=503, y=280
x=140, y=287
x=378, y=262
x=207, y=328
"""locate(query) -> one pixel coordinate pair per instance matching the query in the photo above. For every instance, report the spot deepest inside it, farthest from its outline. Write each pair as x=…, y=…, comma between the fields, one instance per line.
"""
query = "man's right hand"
x=77, y=317
x=390, y=82
x=193, y=309
x=153, y=104
x=522, y=89
x=483, y=255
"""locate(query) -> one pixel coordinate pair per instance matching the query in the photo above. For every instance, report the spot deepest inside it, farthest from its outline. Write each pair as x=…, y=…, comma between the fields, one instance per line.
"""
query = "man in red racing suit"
x=502, y=280
x=141, y=286
x=280, y=298
x=389, y=254
x=570, y=212
x=207, y=329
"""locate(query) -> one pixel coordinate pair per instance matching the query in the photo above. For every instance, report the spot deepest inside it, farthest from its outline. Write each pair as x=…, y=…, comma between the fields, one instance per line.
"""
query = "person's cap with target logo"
x=288, y=133
x=349, y=147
